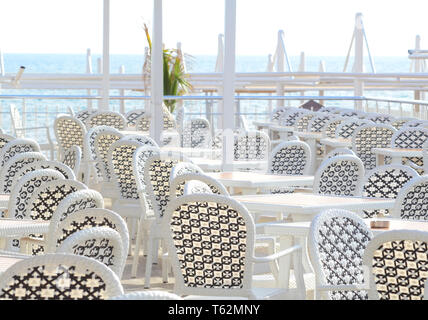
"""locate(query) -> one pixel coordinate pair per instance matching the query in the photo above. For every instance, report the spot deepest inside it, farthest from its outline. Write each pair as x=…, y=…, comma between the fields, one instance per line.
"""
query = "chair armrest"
x=277, y=255
x=31, y=128
x=345, y=287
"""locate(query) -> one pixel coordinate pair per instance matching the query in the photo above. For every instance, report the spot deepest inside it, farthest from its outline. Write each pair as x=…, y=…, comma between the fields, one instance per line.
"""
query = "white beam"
x=156, y=125
x=229, y=83
x=106, y=56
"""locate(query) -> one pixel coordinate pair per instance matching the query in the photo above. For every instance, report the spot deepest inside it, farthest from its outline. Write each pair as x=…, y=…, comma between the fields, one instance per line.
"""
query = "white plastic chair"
x=69, y=131
x=15, y=147
x=72, y=158
x=107, y=118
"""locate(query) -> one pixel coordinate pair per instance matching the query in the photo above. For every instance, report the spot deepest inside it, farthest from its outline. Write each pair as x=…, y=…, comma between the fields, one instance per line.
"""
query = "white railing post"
x=219, y=67
x=89, y=71
x=321, y=68
x=418, y=69
x=2, y=72
x=122, y=92
x=106, y=57
x=359, y=58
x=99, y=71
x=302, y=67
x=280, y=56
x=229, y=84
x=270, y=68
x=156, y=124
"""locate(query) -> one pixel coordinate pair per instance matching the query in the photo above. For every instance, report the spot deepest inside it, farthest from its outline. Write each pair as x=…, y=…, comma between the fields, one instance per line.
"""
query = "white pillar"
x=280, y=56
x=229, y=83
x=106, y=57
x=359, y=58
x=122, y=91
x=99, y=71
x=1, y=64
x=302, y=62
x=89, y=71
x=156, y=124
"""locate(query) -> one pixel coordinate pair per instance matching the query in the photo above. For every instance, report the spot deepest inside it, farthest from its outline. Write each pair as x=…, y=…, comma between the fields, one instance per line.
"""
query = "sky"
x=319, y=28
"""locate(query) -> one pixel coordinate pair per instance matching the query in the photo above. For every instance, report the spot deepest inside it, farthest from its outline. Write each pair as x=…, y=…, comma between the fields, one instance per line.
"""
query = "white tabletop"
x=260, y=180
x=309, y=135
x=215, y=164
x=336, y=142
x=309, y=203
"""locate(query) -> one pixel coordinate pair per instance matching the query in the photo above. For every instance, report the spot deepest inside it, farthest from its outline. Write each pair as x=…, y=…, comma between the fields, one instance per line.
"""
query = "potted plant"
x=174, y=76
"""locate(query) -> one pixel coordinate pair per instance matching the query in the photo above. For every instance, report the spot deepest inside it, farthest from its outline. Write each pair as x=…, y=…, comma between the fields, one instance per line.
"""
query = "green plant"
x=174, y=75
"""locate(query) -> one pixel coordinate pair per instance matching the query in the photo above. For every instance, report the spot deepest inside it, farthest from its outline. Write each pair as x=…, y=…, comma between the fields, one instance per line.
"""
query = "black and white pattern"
x=303, y=122
x=103, y=142
x=400, y=269
x=69, y=132
x=107, y=118
x=132, y=116
x=413, y=205
x=16, y=147
x=368, y=137
x=290, y=158
x=330, y=128
x=318, y=123
x=196, y=134
x=251, y=146
x=410, y=138
x=210, y=241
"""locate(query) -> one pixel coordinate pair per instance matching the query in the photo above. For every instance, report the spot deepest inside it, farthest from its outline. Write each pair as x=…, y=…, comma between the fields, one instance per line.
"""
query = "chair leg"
x=165, y=268
x=137, y=249
x=151, y=246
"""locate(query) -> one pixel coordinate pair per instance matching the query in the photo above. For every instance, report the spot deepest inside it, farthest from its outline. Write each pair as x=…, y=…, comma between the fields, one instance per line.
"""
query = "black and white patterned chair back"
x=346, y=129
x=120, y=160
x=367, y=137
x=143, y=122
x=190, y=179
x=84, y=115
x=145, y=140
x=103, y=142
x=100, y=243
x=148, y=295
x=339, y=176
x=416, y=123
x=45, y=164
x=4, y=139
x=251, y=145
x=24, y=189
x=290, y=117
x=132, y=116
x=397, y=265
x=72, y=158
x=13, y=166
x=319, y=121
x=72, y=203
x=59, y=276
x=412, y=201
x=330, y=128
x=410, y=138
x=351, y=114
x=277, y=113
x=15, y=147
x=86, y=219
x=336, y=242
x=196, y=133
x=157, y=173
x=69, y=131
x=90, y=141
x=139, y=161
x=380, y=118
x=385, y=182
x=46, y=198
x=107, y=118
x=302, y=123
x=211, y=242
x=184, y=168
x=339, y=152
x=290, y=158
x=401, y=122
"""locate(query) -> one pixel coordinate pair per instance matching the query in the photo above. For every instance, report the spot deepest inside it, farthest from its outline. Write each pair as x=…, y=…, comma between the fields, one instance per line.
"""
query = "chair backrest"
x=379, y=118
x=401, y=122
x=336, y=242
x=157, y=172
x=90, y=136
x=46, y=197
x=17, y=146
x=148, y=295
x=88, y=218
x=411, y=202
x=409, y=138
x=330, y=128
x=251, y=145
x=143, y=122
x=120, y=158
x=83, y=115
x=290, y=117
x=416, y=123
x=340, y=176
x=367, y=137
x=132, y=116
x=100, y=243
x=395, y=262
x=146, y=140
x=23, y=190
x=319, y=121
x=302, y=122
x=347, y=128
x=182, y=168
x=339, y=152
x=189, y=183
x=385, y=182
x=211, y=243
x=103, y=142
x=69, y=131
x=74, y=202
x=277, y=112
x=45, y=164
x=59, y=277
x=72, y=158
x=290, y=158
x=107, y=118
x=351, y=113
x=196, y=133
x=141, y=155
x=13, y=166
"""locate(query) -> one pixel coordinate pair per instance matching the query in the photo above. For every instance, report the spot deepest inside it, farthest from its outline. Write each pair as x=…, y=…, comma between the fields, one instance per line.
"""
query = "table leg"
x=284, y=264
x=313, y=146
x=380, y=159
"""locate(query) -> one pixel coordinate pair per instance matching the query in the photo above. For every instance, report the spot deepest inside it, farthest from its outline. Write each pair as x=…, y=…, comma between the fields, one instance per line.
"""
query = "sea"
x=39, y=111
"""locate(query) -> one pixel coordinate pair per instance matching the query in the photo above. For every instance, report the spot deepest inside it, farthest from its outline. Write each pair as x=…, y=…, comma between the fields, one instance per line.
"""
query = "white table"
x=333, y=143
x=250, y=182
x=210, y=165
x=396, y=154
x=283, y=131
x=303, y=206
